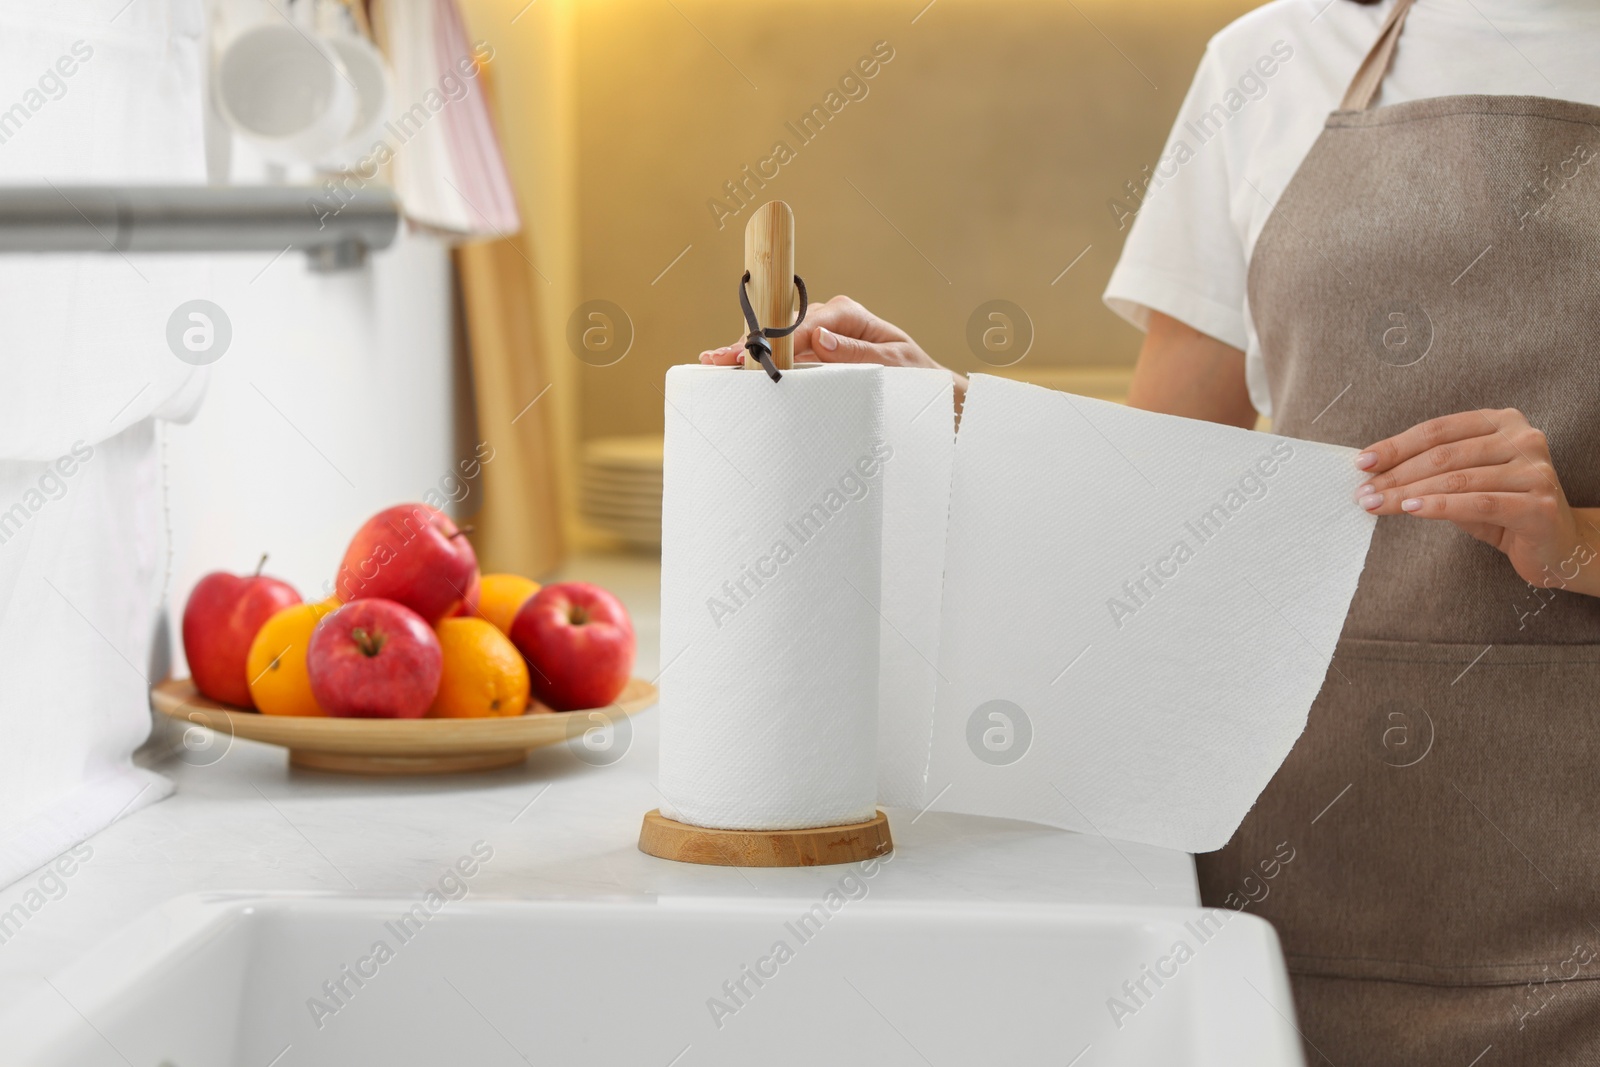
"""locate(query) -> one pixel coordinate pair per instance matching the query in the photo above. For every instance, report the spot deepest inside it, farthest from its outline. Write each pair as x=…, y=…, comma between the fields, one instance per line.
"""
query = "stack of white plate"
x=620, y=488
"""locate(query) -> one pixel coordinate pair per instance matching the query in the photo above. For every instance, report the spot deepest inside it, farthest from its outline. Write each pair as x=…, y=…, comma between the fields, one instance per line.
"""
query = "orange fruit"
x=500, y=596
x=276, y=663
x=484, y=674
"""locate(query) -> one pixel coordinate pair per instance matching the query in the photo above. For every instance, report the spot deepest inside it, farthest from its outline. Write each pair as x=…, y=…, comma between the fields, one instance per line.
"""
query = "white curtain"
x=105, y=92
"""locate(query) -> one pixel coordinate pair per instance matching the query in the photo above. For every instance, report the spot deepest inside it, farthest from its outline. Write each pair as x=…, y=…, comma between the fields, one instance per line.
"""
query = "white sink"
x=235, y=981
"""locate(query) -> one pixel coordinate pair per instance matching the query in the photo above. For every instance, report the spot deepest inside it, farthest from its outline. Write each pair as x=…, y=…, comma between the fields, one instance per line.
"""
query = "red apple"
x=578, y=641
x=374, y=659
x=411, y=554
x=219, y=622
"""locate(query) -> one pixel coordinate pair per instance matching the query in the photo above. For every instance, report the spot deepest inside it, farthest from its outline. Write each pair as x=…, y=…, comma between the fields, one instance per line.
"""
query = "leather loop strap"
x=755, y=342
x=1369, y=76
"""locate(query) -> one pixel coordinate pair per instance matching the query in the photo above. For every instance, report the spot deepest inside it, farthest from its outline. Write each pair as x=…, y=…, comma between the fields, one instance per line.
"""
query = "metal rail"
x=335, y=233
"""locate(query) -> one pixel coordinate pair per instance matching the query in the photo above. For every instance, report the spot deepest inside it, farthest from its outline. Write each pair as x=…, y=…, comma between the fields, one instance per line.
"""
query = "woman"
x=1417, y=280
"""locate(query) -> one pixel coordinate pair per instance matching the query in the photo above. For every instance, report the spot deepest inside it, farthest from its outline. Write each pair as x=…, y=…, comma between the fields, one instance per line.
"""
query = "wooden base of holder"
x=449, y=763
x=672, y=840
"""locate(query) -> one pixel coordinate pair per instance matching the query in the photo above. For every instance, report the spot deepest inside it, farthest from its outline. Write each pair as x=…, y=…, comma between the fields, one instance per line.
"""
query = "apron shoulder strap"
x=1369, y=76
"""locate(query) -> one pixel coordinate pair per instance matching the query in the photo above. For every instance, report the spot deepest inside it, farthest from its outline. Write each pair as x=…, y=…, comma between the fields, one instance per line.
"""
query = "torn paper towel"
x=1138, y=613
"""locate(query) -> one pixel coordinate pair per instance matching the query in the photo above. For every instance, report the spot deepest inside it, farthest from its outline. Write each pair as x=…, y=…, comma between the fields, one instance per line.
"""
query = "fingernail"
x=705, y=357
x=1366, y=460
x=1410, y=505
x=1365, y=489
x=825, y=340
x=1372, y=501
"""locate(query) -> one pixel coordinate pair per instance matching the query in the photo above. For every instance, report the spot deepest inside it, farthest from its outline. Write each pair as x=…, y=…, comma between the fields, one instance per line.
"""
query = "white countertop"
x=558, y=827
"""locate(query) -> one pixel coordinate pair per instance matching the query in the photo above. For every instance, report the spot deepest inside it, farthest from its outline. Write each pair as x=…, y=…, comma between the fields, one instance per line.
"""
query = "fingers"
x=845, y=317
x=725, y=356
x=1485, y=451
x=1489, y=473
x=828, y=347
x=1507, y=510
x=840, y=317
x=1448, y=429
x=831, y=347
x=1503, y=478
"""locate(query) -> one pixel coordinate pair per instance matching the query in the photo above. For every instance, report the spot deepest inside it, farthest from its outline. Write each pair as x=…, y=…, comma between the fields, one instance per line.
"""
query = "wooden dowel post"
x=769, y=257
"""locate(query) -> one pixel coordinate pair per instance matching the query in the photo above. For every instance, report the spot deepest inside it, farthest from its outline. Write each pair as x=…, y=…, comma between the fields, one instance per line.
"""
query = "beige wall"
x=992, y=142
x=989, y=147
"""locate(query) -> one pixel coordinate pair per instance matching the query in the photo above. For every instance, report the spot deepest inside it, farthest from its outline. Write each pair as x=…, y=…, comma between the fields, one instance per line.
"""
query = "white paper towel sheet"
x=1138, y=612
x=1079, y=614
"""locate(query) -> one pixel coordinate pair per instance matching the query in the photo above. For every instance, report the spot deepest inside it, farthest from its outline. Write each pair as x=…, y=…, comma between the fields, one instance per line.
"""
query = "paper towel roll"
x=771, y=541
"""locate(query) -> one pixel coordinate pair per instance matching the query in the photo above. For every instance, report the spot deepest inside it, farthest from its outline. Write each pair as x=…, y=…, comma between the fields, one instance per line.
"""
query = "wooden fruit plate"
x=397, y=746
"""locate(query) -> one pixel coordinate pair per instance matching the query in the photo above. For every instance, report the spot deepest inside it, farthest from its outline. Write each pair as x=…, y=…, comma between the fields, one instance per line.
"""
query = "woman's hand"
x=1489, y=472
x=842, y=331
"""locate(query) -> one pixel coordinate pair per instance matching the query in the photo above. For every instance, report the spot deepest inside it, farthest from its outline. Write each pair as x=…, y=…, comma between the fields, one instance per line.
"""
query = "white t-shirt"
x=1263, y=91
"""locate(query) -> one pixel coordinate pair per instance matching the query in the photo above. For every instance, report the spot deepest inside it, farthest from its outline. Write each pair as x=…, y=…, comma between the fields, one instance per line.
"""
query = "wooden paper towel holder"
x=769, y=257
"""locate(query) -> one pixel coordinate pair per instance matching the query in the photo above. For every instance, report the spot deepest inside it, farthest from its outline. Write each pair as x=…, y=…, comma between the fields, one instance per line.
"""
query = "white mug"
x=371, y=74
x=284, y=88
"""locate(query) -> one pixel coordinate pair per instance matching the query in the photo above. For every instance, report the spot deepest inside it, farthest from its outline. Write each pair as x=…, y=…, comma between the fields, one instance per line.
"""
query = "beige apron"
x=1442, y=809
